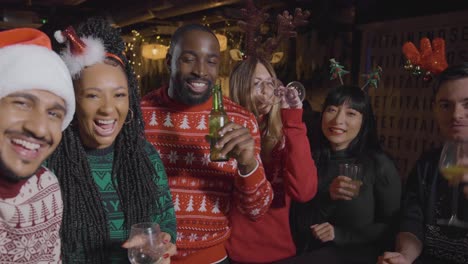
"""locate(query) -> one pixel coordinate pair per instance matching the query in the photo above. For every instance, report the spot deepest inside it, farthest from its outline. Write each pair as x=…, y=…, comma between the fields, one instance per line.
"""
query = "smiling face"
x=451, y=109
x=102, y=104
x=30, y=130
x=194, y=65
x=340, y=125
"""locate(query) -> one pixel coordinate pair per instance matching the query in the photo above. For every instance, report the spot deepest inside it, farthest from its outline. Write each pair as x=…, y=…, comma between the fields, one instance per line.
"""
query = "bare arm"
x=408, y=248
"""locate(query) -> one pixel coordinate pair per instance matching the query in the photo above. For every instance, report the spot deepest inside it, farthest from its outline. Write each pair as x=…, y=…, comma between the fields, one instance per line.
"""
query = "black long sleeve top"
x=426, y=199
x=365, y=221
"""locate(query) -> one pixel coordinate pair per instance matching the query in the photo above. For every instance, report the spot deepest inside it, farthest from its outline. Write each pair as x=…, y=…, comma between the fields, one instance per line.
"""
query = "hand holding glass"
x=148, y=248
x=352, y=171
x=271, y=90
x=453, y=164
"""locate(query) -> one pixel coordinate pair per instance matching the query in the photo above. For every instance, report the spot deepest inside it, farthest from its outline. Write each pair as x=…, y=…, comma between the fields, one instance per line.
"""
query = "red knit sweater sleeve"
x=300, y=173
x=253, y=193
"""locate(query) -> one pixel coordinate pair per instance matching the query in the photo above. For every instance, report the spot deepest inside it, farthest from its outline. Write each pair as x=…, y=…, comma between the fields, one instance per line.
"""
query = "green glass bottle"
x=218, y=118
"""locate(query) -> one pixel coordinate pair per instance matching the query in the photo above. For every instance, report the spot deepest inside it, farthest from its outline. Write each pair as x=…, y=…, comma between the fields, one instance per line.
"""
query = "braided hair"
x=132, y=170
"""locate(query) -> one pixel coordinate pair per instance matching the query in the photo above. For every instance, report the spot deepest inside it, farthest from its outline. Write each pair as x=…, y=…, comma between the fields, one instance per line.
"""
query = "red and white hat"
x=28, y=62
x=81, y=52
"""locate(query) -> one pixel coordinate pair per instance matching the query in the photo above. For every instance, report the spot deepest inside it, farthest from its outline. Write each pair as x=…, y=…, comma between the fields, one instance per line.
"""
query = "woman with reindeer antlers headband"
x=110, y=176
x=285, y=153
x=350, y=219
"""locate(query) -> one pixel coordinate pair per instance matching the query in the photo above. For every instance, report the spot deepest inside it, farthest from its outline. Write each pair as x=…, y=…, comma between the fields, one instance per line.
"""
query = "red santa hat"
x=28, y=62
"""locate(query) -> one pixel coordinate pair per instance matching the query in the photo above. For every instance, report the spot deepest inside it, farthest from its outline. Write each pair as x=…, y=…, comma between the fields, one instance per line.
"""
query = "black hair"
x=366, y=142
x=132, y=170
x=454, y=72
x=182, y=30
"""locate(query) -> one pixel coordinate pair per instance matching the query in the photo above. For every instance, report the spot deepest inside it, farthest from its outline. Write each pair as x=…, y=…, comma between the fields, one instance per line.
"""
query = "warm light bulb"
x=154, y=51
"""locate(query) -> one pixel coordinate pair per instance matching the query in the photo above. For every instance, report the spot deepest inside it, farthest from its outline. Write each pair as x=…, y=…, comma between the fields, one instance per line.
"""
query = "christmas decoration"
x=134, y=51
x=428, y=61
x=372, y=78
x=337, y=70
x=253, y=18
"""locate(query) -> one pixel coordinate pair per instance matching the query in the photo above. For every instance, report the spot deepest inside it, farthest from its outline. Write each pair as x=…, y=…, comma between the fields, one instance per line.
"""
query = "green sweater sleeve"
x=166, y=215
x=387, y=195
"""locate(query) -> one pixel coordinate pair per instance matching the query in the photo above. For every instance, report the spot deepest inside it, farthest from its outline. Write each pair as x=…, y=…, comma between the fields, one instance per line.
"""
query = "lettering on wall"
x=403, y=103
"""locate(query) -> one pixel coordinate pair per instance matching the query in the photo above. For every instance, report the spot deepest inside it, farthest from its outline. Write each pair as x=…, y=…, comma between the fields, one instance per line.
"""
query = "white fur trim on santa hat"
x=93, y=53
x=26, y=67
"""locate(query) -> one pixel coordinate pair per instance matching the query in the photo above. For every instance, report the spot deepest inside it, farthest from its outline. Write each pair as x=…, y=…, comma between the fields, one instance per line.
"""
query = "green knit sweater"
x=100, y=162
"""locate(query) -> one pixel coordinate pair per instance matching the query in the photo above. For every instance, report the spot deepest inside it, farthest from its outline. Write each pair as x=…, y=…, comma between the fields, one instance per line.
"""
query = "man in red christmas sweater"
x=176, y=119
x=36, y=103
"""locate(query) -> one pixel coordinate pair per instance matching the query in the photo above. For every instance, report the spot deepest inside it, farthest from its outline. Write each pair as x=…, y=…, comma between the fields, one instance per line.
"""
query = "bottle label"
x=216, y=123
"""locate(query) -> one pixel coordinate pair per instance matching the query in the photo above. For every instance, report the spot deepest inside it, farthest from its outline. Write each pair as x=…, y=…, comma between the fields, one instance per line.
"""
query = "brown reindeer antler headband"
x=253, y=18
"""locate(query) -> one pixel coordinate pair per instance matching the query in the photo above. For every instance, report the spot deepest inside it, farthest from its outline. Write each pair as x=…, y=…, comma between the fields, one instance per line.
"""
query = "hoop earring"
x=131, y=117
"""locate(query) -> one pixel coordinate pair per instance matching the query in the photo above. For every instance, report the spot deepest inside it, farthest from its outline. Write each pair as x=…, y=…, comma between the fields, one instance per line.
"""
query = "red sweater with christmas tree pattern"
x=30, y=219
x=202, y=191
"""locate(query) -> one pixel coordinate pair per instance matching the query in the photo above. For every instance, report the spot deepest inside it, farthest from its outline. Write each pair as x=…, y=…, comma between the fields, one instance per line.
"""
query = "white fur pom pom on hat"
x=94, y=53
x=59, y=37
x=80, y=51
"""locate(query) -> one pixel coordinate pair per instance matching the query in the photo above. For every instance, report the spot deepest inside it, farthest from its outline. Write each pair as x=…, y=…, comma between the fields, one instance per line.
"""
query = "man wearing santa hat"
x=36, y=104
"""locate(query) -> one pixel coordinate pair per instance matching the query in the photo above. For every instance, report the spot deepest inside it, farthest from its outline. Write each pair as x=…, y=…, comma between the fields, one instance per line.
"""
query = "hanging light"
x=222, y=41
x=154, y=51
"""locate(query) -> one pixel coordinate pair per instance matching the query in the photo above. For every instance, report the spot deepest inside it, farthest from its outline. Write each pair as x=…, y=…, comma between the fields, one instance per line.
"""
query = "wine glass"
x=149, y=248
x=271, y=90
x=453, y=164
x=298, y=87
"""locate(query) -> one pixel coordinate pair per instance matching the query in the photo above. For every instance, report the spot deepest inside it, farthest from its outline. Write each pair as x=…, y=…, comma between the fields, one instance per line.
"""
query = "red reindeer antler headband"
x=429, y=59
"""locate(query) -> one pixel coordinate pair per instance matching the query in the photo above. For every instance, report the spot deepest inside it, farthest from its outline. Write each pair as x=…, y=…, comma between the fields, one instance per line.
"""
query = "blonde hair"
x=242, y=92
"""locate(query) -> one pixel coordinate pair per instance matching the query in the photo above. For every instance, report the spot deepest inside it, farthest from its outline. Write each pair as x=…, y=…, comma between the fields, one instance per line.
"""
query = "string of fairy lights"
x=132, y=49
x=136, y=41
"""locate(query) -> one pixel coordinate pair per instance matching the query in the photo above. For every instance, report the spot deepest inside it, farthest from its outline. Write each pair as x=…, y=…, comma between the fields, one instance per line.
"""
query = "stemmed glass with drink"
x=271, y=90
x=148, y=248
x=453, y=164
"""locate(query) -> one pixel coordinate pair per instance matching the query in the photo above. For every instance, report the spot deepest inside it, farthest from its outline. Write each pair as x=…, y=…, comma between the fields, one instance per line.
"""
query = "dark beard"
x=189, y=100
x=184, y=95
x=8, y=174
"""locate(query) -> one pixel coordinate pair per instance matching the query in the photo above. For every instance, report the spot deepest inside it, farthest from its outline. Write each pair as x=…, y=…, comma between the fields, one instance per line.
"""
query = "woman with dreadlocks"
x=111, y=177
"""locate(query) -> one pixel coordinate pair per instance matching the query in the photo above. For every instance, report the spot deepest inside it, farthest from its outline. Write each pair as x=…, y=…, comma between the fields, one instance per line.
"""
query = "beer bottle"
x=218, y=118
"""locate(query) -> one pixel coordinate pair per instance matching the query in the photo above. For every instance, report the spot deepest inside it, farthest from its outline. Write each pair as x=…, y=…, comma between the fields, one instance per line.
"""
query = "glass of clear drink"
x=148, y=247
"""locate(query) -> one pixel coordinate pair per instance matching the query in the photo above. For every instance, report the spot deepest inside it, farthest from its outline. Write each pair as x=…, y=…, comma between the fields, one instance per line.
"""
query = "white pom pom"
x=59, y=37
